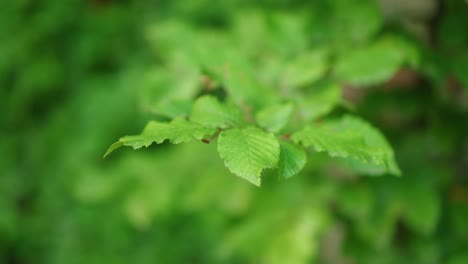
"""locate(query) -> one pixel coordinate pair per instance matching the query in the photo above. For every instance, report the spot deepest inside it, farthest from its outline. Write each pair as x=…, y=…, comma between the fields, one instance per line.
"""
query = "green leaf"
x=250, y=29
x=292, y=159
x=164, y=93
x=210, y=112
x=289, y=36
x=356, y=194
x=350, y=137
x=319, y=101
x=305, y=69
x=459, y=259
x=460, y=68
x=355, y=21
x=240, y=81
x=172, y=108
x=420, y=207
x=370, y=65
x=177, y=131
x=275, y=118
x=247, y=151
x=363, y=168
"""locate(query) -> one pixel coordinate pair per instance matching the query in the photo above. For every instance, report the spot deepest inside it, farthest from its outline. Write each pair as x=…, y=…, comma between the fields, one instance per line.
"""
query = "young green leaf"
x=307, y=68
x=247, y=151
x=350, y=137
x=240, y=81
x=460, y=66
x=292, y=159
x=177, y=131
x=172, y=108
x=420, y=207
x=319, y=101
x=358, y=25
x=210, y=112
x=275, y=118
x=371, y=65
x=164, y=93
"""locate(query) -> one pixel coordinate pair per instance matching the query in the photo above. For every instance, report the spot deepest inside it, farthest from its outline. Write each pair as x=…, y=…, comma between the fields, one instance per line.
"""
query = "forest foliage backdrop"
x=77, y=75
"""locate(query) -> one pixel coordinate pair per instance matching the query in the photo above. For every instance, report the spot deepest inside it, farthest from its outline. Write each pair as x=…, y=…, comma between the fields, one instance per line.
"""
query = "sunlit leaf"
x=247, y=151
x=349, y=137
x=292, y=159
x=275, y=118
x=177, y=131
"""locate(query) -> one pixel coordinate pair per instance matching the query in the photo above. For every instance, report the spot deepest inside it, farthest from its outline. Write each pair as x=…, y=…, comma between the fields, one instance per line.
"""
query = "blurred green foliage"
x=76, y=75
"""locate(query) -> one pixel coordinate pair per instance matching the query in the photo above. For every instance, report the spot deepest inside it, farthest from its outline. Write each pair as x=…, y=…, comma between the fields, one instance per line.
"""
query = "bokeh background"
x=76, y=75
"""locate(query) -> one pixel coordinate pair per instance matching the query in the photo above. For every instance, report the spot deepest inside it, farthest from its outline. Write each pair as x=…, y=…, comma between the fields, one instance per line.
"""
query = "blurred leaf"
x=275, y=118
x=458, y=259
x=173, y=108
x=305, y=69
x=460, y=69
x=451, y=35
x=319, y=100
x=356, y=21
x=421, y=207
x=379, y=229
x=357, y=201
x=251, y=30
x=296, y=241
x=164, y=92
x=208, y=111
x=288, y=34
x=458, y=218
x=243, y=87
x=371, y=65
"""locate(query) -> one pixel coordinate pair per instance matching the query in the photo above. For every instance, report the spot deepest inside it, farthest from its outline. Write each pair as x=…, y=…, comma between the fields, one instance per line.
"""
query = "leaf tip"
x=257, y=182
x=113, y=147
